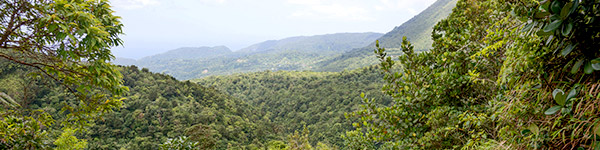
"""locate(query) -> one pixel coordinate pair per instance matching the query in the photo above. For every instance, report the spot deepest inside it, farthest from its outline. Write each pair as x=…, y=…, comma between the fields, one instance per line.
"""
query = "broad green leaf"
x=559, y=96
x=596, y=64
x=552, y=110
x=568, y=49
x=542, y=33
x=576, y=67
x=534, y=128
x=566, y=29
x=553, y=26
x=574, y=7
x=566, y=10
x=539, y=14
x=572, y=93
x=527, y=27
x=587, y=68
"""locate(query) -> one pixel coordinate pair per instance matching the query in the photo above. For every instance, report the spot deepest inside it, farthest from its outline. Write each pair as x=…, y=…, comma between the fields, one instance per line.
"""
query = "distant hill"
x=190, y=53
x=294, y=53
x=338, y=42
x=417, y=30
x=123, y=61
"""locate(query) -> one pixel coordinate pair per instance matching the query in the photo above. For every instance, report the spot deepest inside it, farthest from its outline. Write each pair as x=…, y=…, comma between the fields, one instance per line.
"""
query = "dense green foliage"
x=158, y=107
x=491, y=82
x=65, y=43
x=501, y=74
x=315, y=100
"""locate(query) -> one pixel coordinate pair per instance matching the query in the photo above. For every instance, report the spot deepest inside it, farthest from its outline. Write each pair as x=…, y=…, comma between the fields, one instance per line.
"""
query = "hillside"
x=316, y=100
x=294, y=53
x=189, y=53
x=156, y=108
x=417, y=30
x=339, y=42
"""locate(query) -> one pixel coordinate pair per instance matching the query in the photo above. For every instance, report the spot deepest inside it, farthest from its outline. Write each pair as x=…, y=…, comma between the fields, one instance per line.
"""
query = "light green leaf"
x=568, y=49
x=559, y=96
x=534, y=128
x=577, y=66
x=566, y=10
x=572, y=93
x=552, y=110
x=587, y=68
x=566, y=29
x=553, y=26
x=596, y=64
x=574, y=7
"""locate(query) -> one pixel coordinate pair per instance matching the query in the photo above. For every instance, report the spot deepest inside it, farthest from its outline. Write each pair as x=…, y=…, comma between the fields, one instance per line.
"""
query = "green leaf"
x=555, y=7
x=553, y=26
x=572, y=93
x=596, y=64
x=566, y=29
x=568, y=49
x=566, y=10
x=576, y=67
x=559, y=96
x=552, y=110
x=575, y=5
x=587, y=68
x=534, y=128
x=527, y=27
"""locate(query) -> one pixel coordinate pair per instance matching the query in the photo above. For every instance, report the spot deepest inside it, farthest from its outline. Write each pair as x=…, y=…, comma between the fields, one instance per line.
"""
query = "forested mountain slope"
x=339, y=42
x=188, y=53
x=157, y=108
x=418, y=30
x=315, y=100
x=294, y=53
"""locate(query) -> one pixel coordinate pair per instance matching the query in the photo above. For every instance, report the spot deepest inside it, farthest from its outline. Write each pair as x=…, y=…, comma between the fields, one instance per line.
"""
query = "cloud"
x=133, y=4
x=411, y=6
x=331, y=9
x=212, y=1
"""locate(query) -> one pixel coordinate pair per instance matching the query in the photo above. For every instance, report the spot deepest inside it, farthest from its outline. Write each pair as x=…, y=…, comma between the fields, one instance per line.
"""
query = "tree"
x=67, y=42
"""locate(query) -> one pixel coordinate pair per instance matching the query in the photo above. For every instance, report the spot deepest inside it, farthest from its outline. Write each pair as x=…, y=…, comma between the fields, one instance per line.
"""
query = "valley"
x=461, y=74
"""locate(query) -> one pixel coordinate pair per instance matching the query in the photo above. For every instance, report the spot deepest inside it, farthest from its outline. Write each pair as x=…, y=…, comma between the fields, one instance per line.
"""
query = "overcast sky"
x=156, y=26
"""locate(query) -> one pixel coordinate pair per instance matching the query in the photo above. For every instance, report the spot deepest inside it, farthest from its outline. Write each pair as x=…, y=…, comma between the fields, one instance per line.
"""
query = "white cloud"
x=410, y=6
x=133, y=4
x=331, y=9
x=212, y=1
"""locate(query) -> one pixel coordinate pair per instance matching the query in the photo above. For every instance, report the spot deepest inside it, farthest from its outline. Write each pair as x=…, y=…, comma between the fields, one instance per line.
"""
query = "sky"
x=156, y=26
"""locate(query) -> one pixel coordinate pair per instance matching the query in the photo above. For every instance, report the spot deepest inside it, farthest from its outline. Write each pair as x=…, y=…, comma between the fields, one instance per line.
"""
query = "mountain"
x=123, y=61
x=294, y=53
x=190, y=53
x=417, y=30
x=338, y=42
